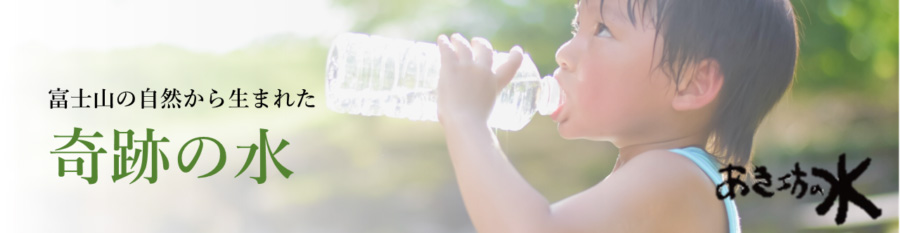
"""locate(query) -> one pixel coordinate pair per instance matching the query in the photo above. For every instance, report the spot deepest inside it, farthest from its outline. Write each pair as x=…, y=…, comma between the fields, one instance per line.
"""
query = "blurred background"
x=377, y=174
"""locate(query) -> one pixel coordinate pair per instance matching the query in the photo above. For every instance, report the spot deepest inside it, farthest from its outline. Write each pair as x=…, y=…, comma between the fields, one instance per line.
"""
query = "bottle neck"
x=548, y=98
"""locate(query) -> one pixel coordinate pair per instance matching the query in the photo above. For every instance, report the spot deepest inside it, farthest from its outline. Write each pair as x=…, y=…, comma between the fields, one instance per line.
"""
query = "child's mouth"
x=562, y=98
x=555, y=115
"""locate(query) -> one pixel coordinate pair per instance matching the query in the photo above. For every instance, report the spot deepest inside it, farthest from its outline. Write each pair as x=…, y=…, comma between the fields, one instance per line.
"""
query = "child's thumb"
x=507, y=70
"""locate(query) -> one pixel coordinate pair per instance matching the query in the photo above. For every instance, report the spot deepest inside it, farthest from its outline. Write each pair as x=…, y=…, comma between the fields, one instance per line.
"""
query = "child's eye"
x=602, y=30
x=574, y=28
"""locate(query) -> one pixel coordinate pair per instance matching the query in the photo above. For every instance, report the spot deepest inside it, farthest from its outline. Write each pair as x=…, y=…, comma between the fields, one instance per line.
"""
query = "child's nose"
x=565, y=57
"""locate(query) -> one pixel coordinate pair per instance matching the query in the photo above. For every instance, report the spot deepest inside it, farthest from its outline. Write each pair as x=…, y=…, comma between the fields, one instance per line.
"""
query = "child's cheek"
x=600, y=102
x=613, y=99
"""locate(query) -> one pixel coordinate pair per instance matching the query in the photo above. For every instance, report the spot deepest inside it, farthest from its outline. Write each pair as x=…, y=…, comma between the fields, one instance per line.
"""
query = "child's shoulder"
x=679, y=183
x=661, y=187
x=666, y=166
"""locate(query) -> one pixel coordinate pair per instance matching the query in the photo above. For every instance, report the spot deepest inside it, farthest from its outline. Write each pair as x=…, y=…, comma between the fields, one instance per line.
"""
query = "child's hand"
x=468, y=86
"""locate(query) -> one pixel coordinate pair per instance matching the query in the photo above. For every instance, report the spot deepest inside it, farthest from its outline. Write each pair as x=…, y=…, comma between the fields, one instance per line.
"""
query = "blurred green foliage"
x=848, y=45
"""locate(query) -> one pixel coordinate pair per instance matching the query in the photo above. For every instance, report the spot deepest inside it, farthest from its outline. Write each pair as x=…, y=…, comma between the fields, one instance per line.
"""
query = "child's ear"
x=699, y=87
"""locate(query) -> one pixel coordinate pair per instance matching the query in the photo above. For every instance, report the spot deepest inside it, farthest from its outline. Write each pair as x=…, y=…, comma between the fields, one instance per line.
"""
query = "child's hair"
x=755, y=43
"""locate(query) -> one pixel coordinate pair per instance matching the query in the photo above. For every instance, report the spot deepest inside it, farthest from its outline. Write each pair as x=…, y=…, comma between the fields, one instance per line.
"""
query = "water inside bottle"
x=398, y=78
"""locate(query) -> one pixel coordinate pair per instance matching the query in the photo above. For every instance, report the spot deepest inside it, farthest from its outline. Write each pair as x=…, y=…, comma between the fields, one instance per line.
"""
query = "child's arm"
x=498, y=199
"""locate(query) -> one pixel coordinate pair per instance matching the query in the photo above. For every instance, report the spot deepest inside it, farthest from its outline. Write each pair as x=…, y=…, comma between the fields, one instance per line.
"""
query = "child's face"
x=611, y=92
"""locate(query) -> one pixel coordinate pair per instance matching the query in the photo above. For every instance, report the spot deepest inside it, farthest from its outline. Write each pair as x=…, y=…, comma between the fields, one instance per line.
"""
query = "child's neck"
x=628, y=152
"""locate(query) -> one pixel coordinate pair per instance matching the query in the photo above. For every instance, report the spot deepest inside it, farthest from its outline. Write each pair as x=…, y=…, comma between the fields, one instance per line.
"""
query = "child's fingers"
x=483, y=52
x=448, y=56
x=507, y=70
x=463, y=49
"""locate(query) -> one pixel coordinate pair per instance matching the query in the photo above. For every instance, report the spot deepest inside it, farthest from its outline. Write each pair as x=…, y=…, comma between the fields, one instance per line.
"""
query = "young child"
x=679, y=86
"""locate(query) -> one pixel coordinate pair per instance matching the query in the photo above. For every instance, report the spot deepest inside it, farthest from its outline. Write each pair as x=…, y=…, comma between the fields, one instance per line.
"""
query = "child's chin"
x=564, y=132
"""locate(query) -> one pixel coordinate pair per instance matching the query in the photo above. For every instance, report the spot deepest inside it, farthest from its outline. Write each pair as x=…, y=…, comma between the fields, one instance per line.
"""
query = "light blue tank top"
x=710, y=166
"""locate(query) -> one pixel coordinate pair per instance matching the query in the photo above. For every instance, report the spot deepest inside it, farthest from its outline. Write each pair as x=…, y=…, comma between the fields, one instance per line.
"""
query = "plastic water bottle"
x=378, y=76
